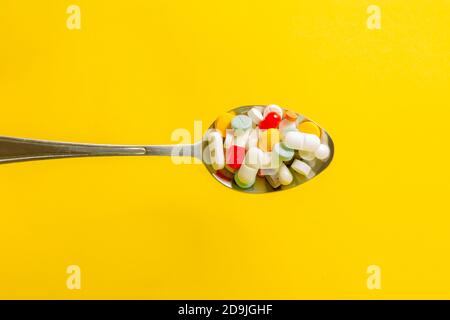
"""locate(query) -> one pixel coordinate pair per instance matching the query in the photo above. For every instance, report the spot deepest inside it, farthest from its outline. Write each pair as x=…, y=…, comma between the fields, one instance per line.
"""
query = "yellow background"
x=142, y=227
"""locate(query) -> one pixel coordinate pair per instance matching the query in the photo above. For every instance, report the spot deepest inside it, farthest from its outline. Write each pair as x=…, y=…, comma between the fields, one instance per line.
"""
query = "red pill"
x=271, y=121
x=235, y=157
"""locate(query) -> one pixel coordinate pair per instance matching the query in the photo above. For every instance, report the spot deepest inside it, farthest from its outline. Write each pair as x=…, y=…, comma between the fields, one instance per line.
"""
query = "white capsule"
x=322, y=152
x=259, y=108
x=229, y=138
x=294, y=140
x=285, y=175
x=301, y=167
x=286, y=126
x=301, y=141
x=255, y=115
x=310, y=142
x=265, y=159
x=270, y=160
x=241, y=138
x=246, y=176
x=273, y=108
x=306, y=155
x=252, y=139
x=216, y=153
x=253, y=157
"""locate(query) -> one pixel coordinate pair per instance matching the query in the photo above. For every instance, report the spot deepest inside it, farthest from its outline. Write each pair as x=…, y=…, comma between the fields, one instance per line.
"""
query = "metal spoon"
x=18, y=150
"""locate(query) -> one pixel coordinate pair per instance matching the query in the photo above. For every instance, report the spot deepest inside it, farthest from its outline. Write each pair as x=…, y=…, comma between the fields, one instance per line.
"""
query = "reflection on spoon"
x=269, y=127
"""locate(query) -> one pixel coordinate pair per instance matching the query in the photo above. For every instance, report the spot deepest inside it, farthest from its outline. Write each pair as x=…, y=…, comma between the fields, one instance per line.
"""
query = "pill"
x=241, y=184
x=266, y=158
x=288, y=123
x=322, y=152
x=301, y=167
x=285, y=175
x=273, y=108
x=255, y=115
x=267, y=172
x=272, y=120
x=288, y=163
x=223, y=122
x=268, y=138
x=290, y=115
x=265, y=143
x=246, y=176
x=241, y=138
x=306, y=155
x=253, y=157
x=273, y=180
x=283, y=152
x=252, y=140
x=229, y=138
x=311, y=142
x=259, y=108
x=234, y=157
x=301, y=141
x=216, y=153
x=241, y=123
x=309, y=127
x=270, y=160
x=294, y=140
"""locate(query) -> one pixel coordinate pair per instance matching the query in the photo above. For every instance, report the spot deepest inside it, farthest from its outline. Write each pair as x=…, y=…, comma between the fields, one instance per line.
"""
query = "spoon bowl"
x=262, y=185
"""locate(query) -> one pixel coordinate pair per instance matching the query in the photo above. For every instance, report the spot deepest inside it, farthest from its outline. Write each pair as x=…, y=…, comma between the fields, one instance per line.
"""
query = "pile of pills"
x=265, y=143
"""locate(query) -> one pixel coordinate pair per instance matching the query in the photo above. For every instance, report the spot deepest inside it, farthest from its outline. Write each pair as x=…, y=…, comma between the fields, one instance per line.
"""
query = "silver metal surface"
x=18, y=149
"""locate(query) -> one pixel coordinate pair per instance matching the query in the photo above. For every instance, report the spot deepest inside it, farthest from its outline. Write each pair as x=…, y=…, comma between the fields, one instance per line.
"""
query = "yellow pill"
x=268, y=138
x=309, y=127
x=223, y=122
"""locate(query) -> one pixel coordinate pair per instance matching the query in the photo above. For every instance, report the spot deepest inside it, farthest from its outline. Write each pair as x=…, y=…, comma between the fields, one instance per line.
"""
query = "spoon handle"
x=19, y=149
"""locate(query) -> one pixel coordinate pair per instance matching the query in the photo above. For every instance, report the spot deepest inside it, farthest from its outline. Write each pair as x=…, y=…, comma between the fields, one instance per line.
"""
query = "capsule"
x=223, y=122
x=302, y=141
x=307, y=155
x=289, y=123
x=253, y=157
x=273, y=180
x=229, y=139
x=246, y=176
x=322, y=152
x=216, y=153
x=256, y=115
x=283, y=152
x=301, y=167
x=273, y=108
x=235, y=157
x=252, y=140
x=285, y=175
x=268, y=138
